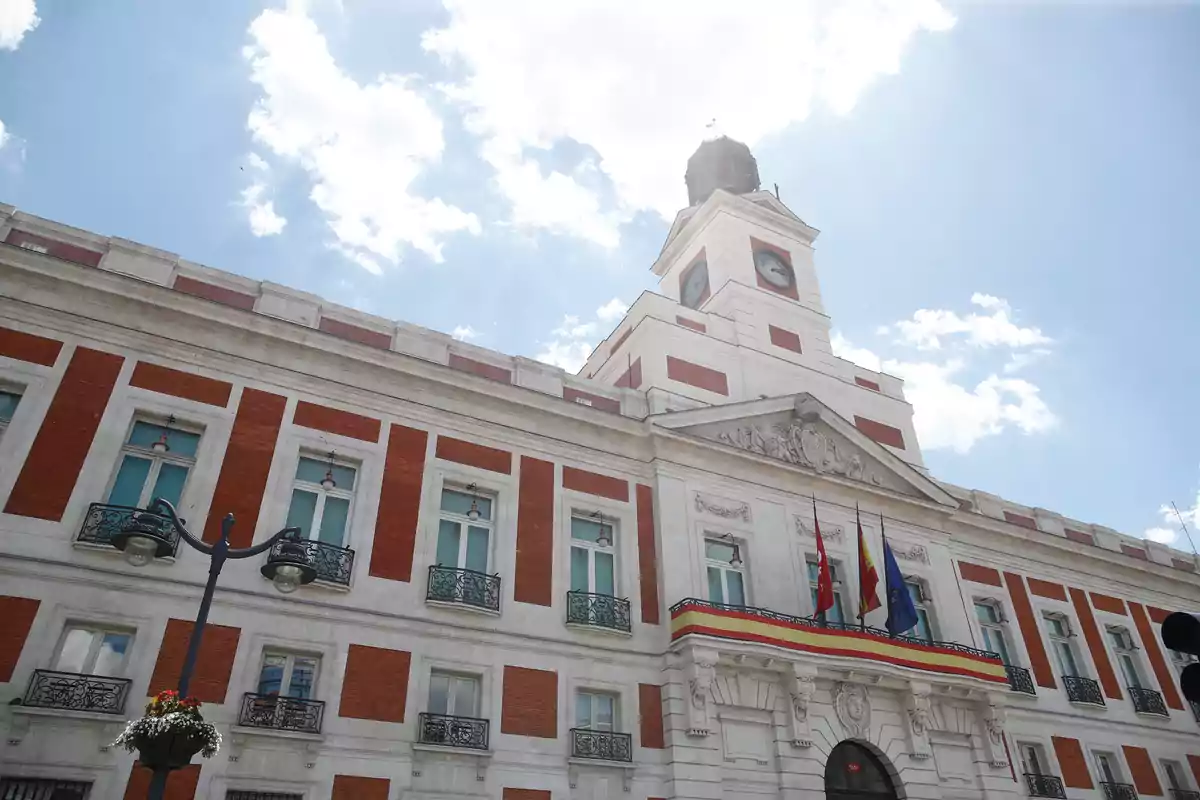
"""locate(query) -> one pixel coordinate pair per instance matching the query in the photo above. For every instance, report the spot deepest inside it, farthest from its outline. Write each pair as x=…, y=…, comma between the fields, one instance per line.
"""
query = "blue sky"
x=1014, y=183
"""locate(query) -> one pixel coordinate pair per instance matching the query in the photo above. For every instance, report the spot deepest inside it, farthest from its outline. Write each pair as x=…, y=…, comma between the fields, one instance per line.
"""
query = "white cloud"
x=363, y=146
x=1160, y=535
x=17, y=18
x=612, y=311
x=1169, y=532
x=636, y=83
x=264, y=221
x=465, y=333
x=4, y=136
x=928, y=328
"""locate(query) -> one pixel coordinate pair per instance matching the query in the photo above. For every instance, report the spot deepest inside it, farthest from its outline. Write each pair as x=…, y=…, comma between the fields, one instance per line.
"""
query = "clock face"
x=695, y=284
x=773, y=269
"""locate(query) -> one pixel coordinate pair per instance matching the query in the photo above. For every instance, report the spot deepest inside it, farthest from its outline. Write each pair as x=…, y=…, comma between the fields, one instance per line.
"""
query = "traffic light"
x=1181, y=631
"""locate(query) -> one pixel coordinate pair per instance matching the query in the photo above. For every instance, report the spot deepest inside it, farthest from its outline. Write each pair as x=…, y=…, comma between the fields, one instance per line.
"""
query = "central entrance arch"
x=853, y=772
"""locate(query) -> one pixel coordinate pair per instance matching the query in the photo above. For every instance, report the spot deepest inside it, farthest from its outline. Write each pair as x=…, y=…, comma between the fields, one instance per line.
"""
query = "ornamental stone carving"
x=920, y=720
x=801, y=688
x=701, y=670
x=912, y=552
x=720, y=507
x=830, y=533
x=799, y=442
x=853, y=708
x=994, y=720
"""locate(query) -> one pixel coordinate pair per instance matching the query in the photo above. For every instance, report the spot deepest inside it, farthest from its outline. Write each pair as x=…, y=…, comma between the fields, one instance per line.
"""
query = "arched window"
x=855, y=773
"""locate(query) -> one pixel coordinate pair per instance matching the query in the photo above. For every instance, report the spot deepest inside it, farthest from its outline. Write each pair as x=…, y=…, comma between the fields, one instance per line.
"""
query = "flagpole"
x=862, y=617
x=887, y=593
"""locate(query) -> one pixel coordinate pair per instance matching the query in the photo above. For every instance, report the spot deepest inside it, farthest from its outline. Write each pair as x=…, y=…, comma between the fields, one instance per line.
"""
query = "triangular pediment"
x=802, y=431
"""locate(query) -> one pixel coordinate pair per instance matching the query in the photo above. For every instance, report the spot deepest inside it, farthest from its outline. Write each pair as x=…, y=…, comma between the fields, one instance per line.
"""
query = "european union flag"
x=902, y=614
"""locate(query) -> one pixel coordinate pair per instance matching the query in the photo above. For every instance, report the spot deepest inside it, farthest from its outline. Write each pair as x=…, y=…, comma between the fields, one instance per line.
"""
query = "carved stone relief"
x=853, y=708
x=910, y=552
x=920, y=720
x=830, y=533
x=994, y=717
x=801, y=686
x=798, y=441
x=700, y=671
x=720, y=507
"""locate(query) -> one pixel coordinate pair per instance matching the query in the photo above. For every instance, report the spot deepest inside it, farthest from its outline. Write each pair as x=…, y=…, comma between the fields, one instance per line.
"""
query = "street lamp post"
x=147, y=537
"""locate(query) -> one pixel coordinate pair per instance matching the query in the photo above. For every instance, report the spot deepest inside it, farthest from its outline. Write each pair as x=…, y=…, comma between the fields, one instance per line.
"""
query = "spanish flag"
x=868, y=578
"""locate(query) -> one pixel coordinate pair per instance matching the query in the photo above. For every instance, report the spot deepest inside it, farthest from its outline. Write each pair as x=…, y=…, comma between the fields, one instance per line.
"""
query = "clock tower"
x=738, y=314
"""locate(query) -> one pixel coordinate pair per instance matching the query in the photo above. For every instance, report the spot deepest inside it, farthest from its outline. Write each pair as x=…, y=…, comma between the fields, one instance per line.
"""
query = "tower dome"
x=720, y=163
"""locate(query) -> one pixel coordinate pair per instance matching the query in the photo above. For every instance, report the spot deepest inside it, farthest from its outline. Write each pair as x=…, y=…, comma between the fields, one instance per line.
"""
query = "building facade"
x=534, y=585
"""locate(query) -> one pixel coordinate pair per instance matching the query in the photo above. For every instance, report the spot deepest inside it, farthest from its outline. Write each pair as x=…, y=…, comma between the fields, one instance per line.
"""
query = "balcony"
x=1118, y=791
x=598, y=611
x=281, y=713
x=1019, y=680
x=1083, y=690
x=1147, y=701
x=103, y=520
x=1195, y=710
x=694, y=617
x=39, y=788
x=1045, y=786
x=333, y=564
x=464, y=587
x=447, y=731
x=601, y=745
x=72, y=691
x=1184, y=794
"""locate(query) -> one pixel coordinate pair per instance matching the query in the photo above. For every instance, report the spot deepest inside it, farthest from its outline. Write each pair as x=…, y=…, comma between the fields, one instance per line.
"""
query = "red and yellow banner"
x=747, y=626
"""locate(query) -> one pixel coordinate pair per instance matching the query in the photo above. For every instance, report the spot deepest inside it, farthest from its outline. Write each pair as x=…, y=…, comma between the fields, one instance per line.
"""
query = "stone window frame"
x=484, y=672
x=500, y=488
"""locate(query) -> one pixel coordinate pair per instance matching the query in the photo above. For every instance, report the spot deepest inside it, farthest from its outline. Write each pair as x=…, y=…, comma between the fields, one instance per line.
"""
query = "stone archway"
x=857, y=771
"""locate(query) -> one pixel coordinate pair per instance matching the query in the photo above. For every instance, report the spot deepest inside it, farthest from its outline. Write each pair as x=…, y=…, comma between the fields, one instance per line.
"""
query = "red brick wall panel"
x=691, y=323
x=787, y=291
x=977, y=574
x=178, y=383
x=399, y=504
x=1039, y=662
x=1107, y=604
x=1047, y=589
x=650, y=715
x=534, y=573
x=1095, y=643
x=593, y=400
x=67, y=252
x=1194, y=763
x=647, y=555
x=375, y=684
x=580, y=480
x=181, y=783
x=632, y=379
x=247, y=462
x=530, y=705
x=526, y=794
x=884, y=434
x=52, y=467
x=1141, y=769
x=701, y=377
x=489, y=371
x=1150, y=643
x=1079, y=536
x=1157, y=615
x=210, y=680
x=620, y=341
x=866, y=384
x=16, y=620
x=218, y=294
x=354, y=333
x=788, y=340
x=358, y=787
x=1183, y=564
x=474, y=455
x=29, y=347
x=1074, y=766
x=1021, y=520
x=1135, y=552
x=332, y=420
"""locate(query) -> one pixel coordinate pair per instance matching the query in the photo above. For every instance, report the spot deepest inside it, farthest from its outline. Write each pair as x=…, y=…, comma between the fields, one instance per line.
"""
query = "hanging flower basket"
x=170, y=734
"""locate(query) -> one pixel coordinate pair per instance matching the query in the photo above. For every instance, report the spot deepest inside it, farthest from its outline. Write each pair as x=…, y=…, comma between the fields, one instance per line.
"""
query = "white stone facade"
x=741, y=717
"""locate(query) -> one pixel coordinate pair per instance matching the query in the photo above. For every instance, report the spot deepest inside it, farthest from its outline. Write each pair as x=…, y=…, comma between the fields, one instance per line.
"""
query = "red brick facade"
x=181, y=783
x=354, y=333
x=399, y=504
x=534, y=575
x=217, y=294
x=489, y=371
x=1141, y=769
x=1095, y=643
x=375, y=684
x=788, y=340
x=530, y=705
x=357, y=787
x=53, y=247
x=701, y=377
x=884, y=434
x=1051, y=591
x=332, y=420
x=474, y=455
x=16, y=619
x=1039, y=661
x=1021, y=519
x=1110, y=605
x=647, y=555
x=214, y=664
x=1167, y=678
x=29, y=347
x=650, y=715
x=1074, y=766
x=178, y=383
x=580, y=480
x=592, y=400
x=977, y=574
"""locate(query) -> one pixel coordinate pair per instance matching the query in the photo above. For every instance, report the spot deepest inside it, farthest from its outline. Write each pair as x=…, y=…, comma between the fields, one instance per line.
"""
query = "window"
x=288, y=675
x=1033, y=759
x=322, y=494
x=1107, y=767
x=836, y=613
x=1123, y=649
x=453, y=695
x=921, y=601
x=1176, y=779
x=596, y=711
x=991, y=624
x=155, y=462
x=8, y=406
x=43, y=789
x=469, y=514
x=92, y=650
x=1059, y=630
x=726, y=578
x=245, y=794
x=592, y=563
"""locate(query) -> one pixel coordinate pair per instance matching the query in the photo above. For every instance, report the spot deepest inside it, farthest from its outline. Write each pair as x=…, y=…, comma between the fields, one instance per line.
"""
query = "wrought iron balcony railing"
x=1195, y=710
x=1019, y=679
x=1147, y=701
x=1118, y=791
x=603, y=745
x=598, y=610
x=442, y=729
x=333, y=564
x=104, y=519
x=73, y=691
x=43, y=789
x=1083, y=690
x=465, y=587
x=1184, y=794
x=1045, y=786
x=281, y=713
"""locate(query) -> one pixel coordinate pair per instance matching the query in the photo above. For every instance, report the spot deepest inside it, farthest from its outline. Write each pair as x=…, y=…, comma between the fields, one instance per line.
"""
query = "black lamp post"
x=147, y=536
